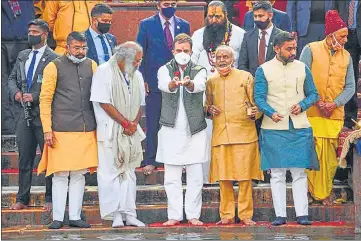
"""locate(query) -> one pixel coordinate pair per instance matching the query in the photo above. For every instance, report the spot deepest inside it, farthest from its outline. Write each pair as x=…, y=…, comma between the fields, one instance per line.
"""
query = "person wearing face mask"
x=283, y=91
x=100, y=42
x=257, y=45
x=31, y=62
x=69, y=128
x=182, y=136
x=280, y=19
x=334, y=78
x=65, y=17
x=235, y=151
x=308, y=19
x=156, y=35
x=218, y=31
x=118, y=98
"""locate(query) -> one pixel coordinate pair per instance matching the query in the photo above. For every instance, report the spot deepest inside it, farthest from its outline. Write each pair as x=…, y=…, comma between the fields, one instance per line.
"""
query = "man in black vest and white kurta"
x=182, y=137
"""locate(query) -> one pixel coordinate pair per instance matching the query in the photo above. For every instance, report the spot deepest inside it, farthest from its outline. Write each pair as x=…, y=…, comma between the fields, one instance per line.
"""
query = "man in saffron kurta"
x=64, y=17
x=218, y=31
x=235, y=151
x=332, y=70
x=69, y=128
x=284, y=90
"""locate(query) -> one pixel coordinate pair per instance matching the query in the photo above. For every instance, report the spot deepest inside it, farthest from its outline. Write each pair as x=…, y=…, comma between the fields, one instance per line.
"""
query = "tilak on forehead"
x=215, y=10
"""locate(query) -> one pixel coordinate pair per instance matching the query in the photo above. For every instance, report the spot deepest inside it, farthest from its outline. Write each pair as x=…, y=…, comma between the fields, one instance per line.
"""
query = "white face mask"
x=337, y=45
x=182, y=58
x=75, y=60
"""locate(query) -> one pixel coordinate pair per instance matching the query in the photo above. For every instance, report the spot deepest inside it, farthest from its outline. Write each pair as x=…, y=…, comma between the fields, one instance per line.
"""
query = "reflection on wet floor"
x=184, y=236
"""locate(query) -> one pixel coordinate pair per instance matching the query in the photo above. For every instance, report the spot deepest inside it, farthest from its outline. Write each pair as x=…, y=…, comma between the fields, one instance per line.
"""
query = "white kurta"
x=115, y=193
x=176, y=146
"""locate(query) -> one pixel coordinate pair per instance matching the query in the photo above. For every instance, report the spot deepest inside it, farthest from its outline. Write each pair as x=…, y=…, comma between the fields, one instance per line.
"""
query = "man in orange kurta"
x=64, y=17
x=235, y=151
x=69, y=125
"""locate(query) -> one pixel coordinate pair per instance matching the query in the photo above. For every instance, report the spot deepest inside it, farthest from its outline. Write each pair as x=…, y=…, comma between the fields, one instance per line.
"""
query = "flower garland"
x=211, y=52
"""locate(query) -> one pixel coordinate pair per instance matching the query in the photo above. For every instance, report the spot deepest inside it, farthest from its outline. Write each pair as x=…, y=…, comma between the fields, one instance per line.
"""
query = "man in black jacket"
x=28, y=70
x=257, y=46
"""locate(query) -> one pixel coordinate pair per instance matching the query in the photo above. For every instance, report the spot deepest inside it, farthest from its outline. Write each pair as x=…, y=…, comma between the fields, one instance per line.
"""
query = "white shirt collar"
x=268, y=31
x=163, y=20
x=93, y=33
x=41, y=50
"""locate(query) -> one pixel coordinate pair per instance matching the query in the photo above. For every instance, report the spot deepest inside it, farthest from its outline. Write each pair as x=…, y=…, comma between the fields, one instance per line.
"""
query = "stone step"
x=209, y=231
x=158, y=213
x=155, y=194
x=10, y=177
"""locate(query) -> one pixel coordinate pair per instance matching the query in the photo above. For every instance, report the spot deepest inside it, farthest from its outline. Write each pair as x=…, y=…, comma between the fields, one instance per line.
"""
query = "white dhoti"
x=299, y=191
x=206, y=165
x=116, y=193
x=76, y=186
x=173, y=188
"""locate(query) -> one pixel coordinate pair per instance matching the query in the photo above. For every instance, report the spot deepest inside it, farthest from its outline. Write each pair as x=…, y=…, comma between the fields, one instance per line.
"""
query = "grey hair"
x=217, y=3
x=227, y=48
x=127, y=51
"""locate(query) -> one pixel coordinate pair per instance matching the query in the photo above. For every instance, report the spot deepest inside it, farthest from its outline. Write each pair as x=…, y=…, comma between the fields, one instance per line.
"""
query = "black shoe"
x=78, y=224
x=55, y=225
x=303, y=220
x=279, y=221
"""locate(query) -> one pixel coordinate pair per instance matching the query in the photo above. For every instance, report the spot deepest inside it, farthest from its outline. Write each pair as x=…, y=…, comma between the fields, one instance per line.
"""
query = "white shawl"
x=127, y=150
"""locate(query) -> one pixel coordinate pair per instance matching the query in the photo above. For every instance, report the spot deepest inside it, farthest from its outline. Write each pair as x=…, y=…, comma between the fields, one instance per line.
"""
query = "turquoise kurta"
x=292, y=148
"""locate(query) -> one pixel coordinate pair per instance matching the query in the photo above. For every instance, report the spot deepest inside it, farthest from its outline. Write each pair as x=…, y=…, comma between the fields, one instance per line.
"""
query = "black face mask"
x=34, y=39
x=103, y=27
x=262, y=25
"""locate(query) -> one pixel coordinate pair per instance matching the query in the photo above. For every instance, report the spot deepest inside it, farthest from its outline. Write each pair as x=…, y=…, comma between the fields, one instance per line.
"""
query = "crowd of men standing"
x=223, y=104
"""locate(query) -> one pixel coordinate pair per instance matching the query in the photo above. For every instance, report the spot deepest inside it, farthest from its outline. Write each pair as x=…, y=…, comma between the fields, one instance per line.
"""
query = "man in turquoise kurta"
x=284, y=90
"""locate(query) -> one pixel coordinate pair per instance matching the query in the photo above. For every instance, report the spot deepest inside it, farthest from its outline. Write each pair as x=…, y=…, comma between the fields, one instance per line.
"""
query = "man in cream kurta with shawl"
x=182, y=137
x=117, y=95
x=218, y=31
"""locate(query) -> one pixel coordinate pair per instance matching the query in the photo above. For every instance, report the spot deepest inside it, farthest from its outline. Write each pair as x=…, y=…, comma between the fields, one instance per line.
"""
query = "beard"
x=213, y=35
x=129, y=68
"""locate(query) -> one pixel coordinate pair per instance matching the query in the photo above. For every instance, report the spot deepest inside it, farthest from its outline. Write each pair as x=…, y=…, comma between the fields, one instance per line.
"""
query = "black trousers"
x=28, y=139
x=352, y=46
x=9, y=53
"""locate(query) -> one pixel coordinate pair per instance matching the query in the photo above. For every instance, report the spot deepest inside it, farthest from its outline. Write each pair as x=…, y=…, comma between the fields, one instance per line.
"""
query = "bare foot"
x=225, y=222
x=248, y=222
x=18, y=206
x=171, y=222
x=327, y=201
x=195, y=222
x=48, y=206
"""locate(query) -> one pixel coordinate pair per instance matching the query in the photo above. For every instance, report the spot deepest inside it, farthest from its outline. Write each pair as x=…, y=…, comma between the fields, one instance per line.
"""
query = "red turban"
x=333, y=22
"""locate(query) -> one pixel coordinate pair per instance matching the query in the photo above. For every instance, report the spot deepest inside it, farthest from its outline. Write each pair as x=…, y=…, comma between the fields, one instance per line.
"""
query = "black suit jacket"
x=248, y=57
x=342, y=8
x=15, y=82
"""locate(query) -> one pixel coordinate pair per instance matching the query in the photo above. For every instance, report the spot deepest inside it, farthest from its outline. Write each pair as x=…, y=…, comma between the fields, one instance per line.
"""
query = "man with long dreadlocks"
x=218, y=31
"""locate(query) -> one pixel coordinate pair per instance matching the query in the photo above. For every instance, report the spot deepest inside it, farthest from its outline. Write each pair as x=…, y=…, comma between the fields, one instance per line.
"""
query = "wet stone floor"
x=182, y=236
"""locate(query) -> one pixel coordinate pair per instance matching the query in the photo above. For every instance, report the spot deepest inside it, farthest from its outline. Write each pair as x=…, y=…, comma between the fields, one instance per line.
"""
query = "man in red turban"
x=333, y=74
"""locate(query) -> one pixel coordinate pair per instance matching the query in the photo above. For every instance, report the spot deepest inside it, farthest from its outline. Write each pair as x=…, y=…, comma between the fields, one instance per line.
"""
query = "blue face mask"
x=168, y=12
